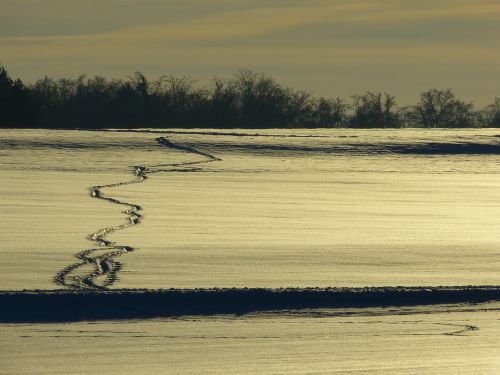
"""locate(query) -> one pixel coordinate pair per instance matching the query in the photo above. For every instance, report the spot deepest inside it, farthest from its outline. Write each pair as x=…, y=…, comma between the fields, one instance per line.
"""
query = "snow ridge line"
x=97, y=268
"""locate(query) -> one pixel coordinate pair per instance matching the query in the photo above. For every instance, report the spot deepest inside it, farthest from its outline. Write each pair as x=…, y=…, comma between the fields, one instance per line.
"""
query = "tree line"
x=247, y=100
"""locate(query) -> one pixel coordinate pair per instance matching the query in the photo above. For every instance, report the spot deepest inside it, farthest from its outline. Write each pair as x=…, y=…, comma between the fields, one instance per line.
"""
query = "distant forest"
x=247, y=100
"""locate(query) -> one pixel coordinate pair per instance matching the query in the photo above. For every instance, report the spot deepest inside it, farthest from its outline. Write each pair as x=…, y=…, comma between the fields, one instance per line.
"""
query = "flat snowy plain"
x=295, y=208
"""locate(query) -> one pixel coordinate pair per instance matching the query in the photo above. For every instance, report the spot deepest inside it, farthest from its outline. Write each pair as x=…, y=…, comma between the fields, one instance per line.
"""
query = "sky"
x=329, y=47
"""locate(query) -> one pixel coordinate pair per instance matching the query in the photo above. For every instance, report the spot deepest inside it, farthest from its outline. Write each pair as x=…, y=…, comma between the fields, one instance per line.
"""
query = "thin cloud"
x=264, y=20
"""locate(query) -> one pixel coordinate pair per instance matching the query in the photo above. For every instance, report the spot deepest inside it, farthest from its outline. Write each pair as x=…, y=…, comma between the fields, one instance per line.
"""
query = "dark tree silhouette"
x=375, y=110
x=16, y=109
x=331, y=113
x=247, y=100
x=440, y=109
x=490, y=116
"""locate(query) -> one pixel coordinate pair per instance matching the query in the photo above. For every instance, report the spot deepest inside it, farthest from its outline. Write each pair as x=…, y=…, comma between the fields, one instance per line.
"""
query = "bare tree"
x=375, y=110
x=441, y=109
x=331, y=112
x=490, y=116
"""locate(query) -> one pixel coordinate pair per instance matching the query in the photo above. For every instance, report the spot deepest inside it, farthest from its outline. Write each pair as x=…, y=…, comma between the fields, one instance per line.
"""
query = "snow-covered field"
x=460, y=340
x=253, y=208
x=331, y=208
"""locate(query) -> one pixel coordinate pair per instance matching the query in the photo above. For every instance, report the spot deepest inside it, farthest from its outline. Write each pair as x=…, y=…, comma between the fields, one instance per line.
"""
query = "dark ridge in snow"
x=216, y=133
x=431, y=148
x=88, y=305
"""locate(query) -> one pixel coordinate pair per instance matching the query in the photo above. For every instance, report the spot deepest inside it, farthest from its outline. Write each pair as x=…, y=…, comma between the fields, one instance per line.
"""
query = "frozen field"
x=331, y=208
x=301, y=208
x=445, y=340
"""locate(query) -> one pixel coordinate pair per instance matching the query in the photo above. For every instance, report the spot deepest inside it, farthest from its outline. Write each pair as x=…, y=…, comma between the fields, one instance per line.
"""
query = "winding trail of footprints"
x=97, y=268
